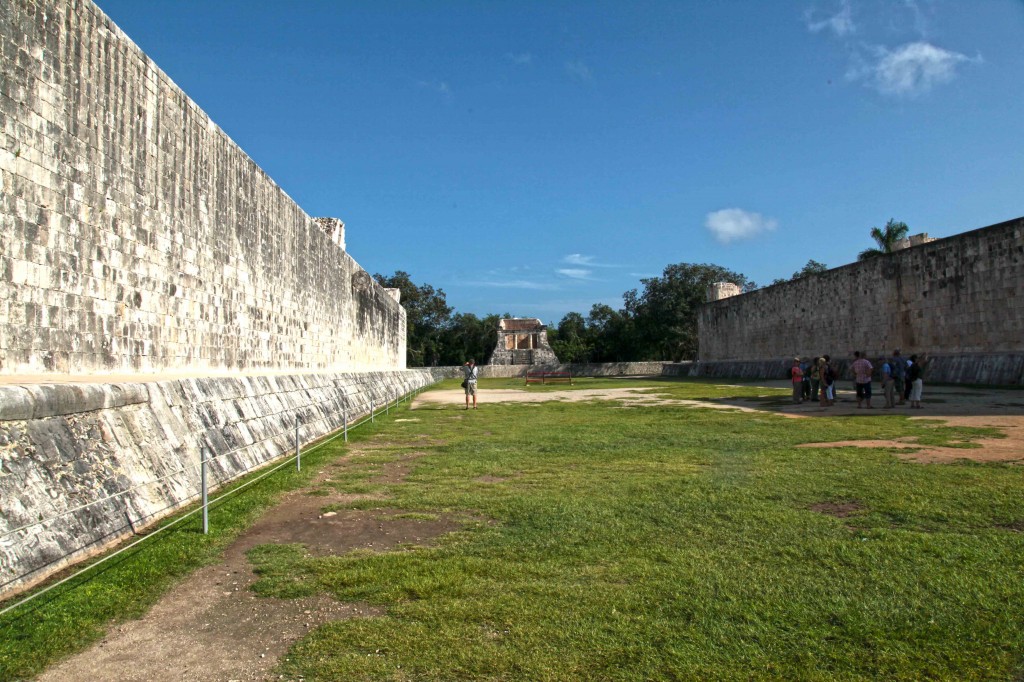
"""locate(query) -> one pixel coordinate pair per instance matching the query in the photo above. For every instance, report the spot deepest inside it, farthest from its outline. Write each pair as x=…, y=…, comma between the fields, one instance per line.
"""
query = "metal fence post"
x=387, y=405
x=344, y=417
x=371, y=410
x=202, y=476
x=298, y=447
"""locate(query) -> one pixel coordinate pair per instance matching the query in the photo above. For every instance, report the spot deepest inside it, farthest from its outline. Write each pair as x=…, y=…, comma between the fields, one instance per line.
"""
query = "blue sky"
x=536, y=157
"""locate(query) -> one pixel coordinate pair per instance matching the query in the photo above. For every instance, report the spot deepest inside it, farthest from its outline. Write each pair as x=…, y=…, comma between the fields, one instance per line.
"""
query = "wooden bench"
x=542, y=376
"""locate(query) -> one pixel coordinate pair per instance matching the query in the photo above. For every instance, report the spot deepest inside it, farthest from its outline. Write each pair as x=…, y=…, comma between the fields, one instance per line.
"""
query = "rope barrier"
x=338, y=434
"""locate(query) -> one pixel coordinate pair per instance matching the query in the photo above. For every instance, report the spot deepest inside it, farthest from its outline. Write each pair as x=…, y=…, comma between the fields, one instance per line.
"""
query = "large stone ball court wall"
x=138, y=240
x=958, y=299
x=136, y=235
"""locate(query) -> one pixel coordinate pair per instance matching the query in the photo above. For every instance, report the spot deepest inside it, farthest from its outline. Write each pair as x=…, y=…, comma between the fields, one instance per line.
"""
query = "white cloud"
x=731, y=224
x=840, y=23
x=575, y=273
x=579, y=70
x=911, y=69
x=520, y=58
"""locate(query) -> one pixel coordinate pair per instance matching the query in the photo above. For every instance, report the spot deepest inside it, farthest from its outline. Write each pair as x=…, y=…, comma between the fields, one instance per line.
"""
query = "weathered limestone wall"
x=960, y=299
x=83, y=466
x=136, y=236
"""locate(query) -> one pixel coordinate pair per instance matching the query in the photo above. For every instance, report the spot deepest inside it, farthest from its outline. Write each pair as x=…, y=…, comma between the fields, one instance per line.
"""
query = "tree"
x=813, y=267
x=886, y=239
x=468, y=336
x=427, y=316
x=612, y=334
x=664, y=314
x=570, y=340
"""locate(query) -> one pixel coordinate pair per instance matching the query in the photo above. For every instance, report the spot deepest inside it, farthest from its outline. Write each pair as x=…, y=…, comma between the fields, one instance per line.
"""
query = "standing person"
x=915, y=377
x=815, y=377
x=907, y=384
x=889, y=384
x=797, y=377
x=862, y=369
x=828, y=381
x=899, y=373
x=470, y=370
x=805, y=393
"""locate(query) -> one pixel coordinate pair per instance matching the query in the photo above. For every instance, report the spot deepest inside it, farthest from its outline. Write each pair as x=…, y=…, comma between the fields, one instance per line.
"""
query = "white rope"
x=176, y=521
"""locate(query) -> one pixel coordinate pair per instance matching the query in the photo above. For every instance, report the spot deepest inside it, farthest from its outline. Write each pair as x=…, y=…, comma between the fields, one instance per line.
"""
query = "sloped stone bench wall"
x=83, y=466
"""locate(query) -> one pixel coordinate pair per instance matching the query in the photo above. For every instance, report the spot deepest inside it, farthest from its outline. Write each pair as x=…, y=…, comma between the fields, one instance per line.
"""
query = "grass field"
x=606, y=541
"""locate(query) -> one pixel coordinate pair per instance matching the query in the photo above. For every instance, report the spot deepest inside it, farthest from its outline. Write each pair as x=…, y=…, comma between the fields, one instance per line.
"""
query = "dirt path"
x=213, y=627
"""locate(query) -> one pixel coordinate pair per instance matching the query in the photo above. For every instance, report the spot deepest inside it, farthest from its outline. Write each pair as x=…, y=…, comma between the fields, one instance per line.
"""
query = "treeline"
x=656, y=322
x=437, y=336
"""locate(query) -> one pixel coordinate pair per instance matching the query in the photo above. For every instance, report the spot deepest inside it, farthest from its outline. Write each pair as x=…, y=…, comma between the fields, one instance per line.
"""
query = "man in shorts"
x=862, y=369
x=469, y=369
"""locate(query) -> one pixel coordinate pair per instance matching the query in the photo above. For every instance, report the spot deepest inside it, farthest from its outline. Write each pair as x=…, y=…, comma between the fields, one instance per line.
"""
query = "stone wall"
x=83, y=466
x=959, y=299
x=136, y=236
x=593, y=369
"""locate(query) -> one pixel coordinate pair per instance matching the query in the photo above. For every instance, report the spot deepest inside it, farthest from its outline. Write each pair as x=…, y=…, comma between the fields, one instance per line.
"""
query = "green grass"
x=665, y=542
x=673, y=543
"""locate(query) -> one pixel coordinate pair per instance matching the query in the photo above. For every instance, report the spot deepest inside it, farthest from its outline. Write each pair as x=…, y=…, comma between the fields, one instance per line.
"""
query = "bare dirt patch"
x=213, y=627
x=629, y=396
x=1009, y=449
x=1014, y=527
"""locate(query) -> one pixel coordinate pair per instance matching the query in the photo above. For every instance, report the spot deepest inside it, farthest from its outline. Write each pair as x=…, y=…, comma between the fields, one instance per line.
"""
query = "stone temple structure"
x=523, y=341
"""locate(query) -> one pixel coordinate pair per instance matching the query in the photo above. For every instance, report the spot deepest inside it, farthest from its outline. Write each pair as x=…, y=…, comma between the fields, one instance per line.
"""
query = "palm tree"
x=886, y=239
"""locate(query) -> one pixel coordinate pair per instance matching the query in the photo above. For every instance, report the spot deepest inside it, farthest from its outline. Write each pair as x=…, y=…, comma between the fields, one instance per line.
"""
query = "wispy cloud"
x=909, y=70
x=579, y=70
x=575, y=273
x=732, y=224
x=587, y=261
x=520, y=58
x=578, y=259
x=920, y=20
x=840, y=23
x=515, y=284
x=435, y=86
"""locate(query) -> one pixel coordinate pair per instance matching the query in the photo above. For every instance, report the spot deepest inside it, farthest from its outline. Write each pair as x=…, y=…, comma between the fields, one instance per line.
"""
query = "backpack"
x=830, y=374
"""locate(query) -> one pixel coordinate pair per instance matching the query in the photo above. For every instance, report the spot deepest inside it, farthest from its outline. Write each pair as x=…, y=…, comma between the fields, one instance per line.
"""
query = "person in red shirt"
x=797, y=376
